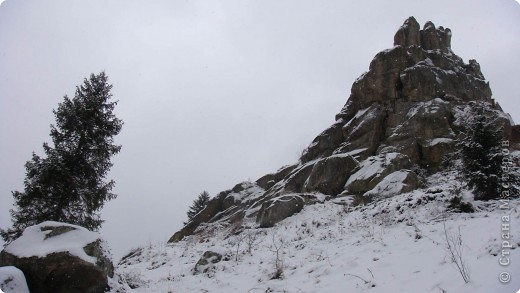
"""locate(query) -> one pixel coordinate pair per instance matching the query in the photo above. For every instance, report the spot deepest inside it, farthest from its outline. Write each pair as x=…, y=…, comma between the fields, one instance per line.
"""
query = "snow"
x=12, y=280
x=397, y=244
x=251, y=192
x=431, y=106
x=425, y=62
x=439, y=140
x=33, y=242
x=390, y=185
x=372, y=167
x=366, y=115
x=359, y=114
x=355, y=152
x=285, y=198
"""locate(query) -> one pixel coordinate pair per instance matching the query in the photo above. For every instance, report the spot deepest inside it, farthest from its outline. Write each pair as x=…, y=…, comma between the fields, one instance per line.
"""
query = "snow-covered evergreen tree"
x=482, y=157
x=198, y=205
x=68, y=183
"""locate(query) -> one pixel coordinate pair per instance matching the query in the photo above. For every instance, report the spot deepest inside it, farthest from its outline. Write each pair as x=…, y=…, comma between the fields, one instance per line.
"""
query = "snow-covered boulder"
x=59, y=257
x=210, y=257
x=12, y=280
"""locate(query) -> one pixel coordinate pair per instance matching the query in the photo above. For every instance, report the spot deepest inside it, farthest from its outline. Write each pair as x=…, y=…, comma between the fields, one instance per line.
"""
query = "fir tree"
x=198, y=205
x=482, y=157
x=68, y=183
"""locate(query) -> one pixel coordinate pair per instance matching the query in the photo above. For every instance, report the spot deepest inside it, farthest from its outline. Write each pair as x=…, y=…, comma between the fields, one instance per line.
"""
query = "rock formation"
x=402, y=118
x=58, y=257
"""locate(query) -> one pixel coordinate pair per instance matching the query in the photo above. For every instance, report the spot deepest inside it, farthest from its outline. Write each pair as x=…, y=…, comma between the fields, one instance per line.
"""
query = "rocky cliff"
x=402, y=118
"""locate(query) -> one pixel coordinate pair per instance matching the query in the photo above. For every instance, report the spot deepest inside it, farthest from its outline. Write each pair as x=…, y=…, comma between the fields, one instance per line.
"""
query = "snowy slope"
x=398, y=244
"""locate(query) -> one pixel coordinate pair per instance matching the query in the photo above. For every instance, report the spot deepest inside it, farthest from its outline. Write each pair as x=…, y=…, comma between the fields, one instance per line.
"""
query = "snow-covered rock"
x=209, y=258
x=12, y=280
x=59, y=257
x=374, y=169
x=395, y=183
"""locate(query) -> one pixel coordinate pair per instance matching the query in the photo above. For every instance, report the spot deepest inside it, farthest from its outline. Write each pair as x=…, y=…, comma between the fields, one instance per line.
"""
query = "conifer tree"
x=482, y=157
x=198, y=205
x=68, y=183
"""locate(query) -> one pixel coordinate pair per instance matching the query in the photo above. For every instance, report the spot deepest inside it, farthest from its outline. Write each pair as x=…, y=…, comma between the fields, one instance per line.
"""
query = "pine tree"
x=482, y=157
x=198, y=205
x=68, y=183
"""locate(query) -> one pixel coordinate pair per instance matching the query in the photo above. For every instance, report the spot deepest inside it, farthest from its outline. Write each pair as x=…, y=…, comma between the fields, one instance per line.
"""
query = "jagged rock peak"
x=429, y=38
x=420, y=67
x=408, y=33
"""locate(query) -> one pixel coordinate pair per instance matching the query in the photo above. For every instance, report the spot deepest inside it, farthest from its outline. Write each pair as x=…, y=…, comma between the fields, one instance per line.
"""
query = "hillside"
x=395, y=245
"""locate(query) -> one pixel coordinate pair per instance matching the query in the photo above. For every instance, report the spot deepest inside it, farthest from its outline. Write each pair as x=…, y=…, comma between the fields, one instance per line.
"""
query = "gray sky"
x=212, y=92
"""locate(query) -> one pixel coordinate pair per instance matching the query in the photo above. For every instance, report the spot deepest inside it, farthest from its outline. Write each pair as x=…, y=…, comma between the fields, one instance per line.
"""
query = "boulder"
x=12, y=280
x=209, y=258
x=59, y=257
x=279, y=208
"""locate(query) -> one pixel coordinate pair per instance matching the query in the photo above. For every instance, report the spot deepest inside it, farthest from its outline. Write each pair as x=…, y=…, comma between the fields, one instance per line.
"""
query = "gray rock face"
x=279, y=208
x=51, y=263
x=329, y=175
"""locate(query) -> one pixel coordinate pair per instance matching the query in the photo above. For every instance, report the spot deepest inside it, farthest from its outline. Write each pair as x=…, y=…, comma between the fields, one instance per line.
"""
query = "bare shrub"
x=455, y=251
x=276, y=247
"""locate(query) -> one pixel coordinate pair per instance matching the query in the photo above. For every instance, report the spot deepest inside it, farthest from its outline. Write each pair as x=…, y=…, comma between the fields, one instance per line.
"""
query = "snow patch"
x=284, y=198
x=36, y=241
x=439, y=140
x=372, y=167
x=390, y=185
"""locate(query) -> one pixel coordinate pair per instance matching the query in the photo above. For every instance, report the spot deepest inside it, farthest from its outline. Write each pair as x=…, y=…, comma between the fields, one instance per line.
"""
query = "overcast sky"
x=212, y=93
